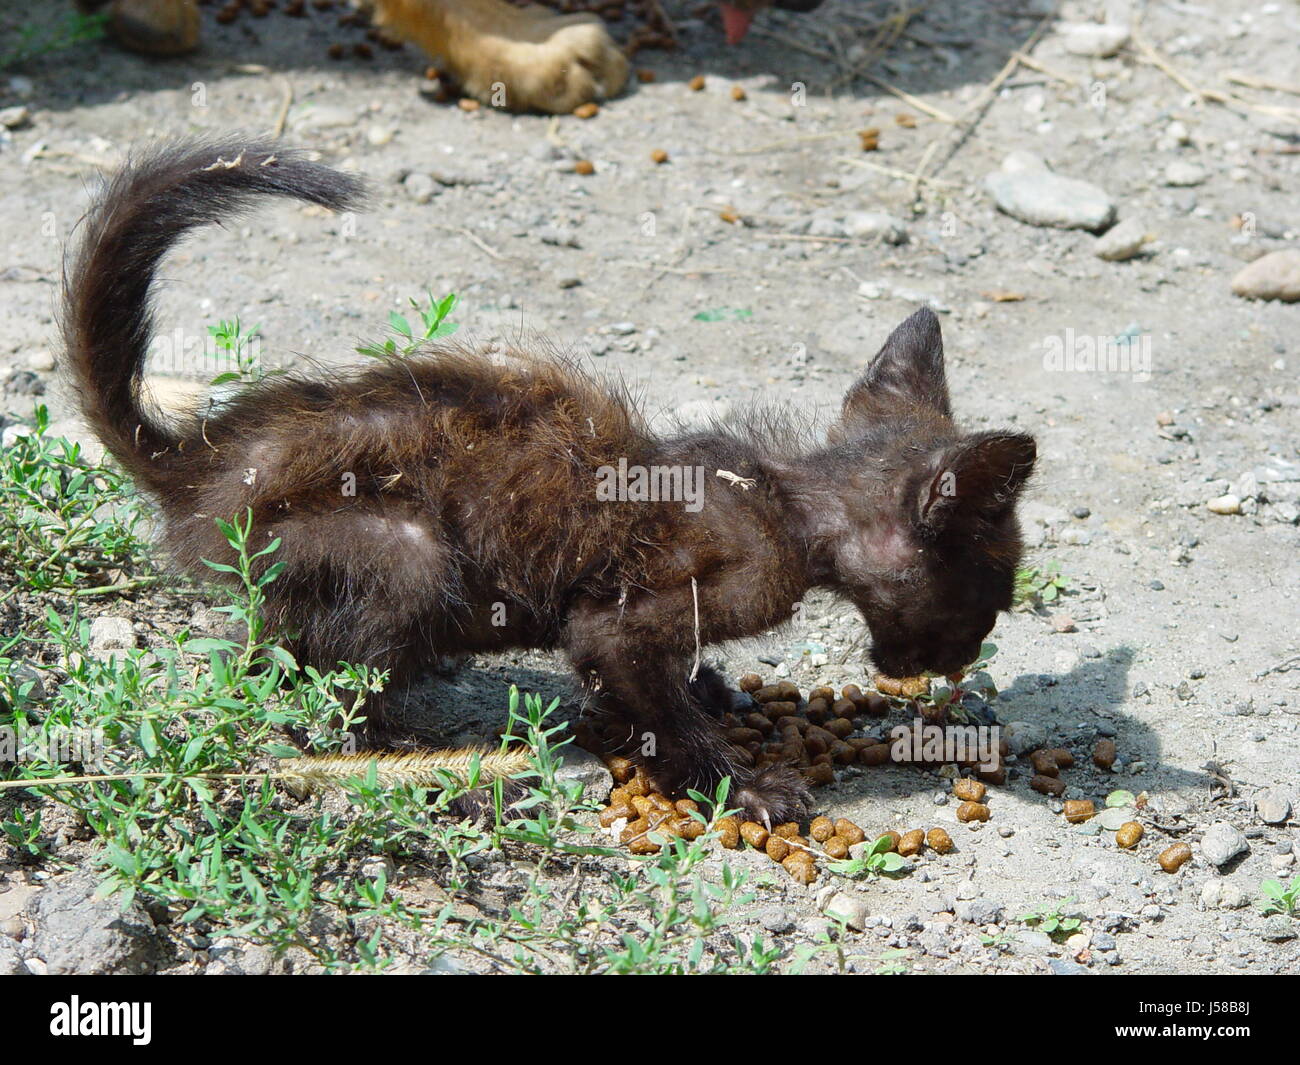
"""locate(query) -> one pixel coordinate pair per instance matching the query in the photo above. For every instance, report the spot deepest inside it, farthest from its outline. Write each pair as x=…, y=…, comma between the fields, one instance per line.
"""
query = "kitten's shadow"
x=1073, y=709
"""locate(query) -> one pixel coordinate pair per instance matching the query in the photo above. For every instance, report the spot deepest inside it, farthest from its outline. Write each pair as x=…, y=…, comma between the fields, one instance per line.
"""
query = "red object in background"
x=735, y=22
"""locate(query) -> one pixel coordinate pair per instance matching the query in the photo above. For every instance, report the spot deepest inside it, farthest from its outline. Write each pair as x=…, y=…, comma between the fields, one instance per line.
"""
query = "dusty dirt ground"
x=1183, y=642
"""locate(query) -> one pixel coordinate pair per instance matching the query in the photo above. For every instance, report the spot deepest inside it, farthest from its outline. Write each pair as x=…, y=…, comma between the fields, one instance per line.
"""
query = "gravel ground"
x=1167, y=489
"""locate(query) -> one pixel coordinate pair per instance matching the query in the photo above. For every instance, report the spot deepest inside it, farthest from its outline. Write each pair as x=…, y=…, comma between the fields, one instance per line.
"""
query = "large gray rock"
x=79, y=933
x=108, y=634
x=586, y=767
x=1042, y=198
x=1275, y=276
x=1023, y=737
x=1222, y=842
x=1273, y=806
x=11, y=963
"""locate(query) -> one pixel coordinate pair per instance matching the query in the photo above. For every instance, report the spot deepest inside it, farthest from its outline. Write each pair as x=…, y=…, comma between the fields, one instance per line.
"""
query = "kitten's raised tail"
x=146, y=208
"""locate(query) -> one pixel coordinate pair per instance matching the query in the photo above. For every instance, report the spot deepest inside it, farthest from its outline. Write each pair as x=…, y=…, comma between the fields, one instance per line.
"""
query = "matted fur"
x=447, y=502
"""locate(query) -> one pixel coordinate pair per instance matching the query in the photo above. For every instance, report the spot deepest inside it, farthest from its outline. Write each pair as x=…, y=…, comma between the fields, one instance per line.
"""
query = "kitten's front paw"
x=774, y=796
x=520, y=59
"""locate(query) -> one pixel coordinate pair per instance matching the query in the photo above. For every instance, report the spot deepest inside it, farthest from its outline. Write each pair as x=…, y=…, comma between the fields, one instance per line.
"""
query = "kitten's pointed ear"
x=981, y=476
x=908, y=369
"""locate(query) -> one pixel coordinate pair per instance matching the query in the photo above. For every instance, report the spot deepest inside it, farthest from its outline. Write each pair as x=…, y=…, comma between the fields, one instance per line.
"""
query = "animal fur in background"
x=451, y=502
x=523, y=58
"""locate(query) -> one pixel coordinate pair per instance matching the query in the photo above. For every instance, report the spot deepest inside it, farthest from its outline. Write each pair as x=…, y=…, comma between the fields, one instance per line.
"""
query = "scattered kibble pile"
x=818, y=735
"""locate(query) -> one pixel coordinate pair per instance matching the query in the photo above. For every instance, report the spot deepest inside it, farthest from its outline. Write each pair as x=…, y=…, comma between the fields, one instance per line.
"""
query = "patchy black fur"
x=475, y=526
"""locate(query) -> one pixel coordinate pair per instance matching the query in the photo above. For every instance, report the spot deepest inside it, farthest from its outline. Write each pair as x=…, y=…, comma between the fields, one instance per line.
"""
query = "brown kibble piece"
x=968, y=790
x=729, y=827
x=729, y=215
x=768, y=693
x=801, y=868
x=1078, y=811
x=585, y=167
x=466, y=103
x=786, y=830
x=972, y=811
x=659, y=157
x=1048, y=785
x=993, y=776
x=848, y=831
x=876, y=754
x=894, y=838
x=642, y=845
x=612, y=813
x=645, y=76
x=754, y=834
x=335, y=50
x=905, y=120
x=911, y=843
x=1103, y=755
x=821, y=829
x=776, y=848
x=1130, y=832
x=826, y=694
x=1044, y=764
x=690, y=828
x=870, y=139
x=939, y=840
x=621, y=769
x=686, y=806
x=1174, y=858
x=820, y=775
x=1064, y=759
x=588, y=110
x=737, y=93
x=836, y=847
x=697, y=83
x=750, y=682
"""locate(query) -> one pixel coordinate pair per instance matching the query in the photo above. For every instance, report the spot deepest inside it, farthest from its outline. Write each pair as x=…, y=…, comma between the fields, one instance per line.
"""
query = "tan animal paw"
x=517, y=58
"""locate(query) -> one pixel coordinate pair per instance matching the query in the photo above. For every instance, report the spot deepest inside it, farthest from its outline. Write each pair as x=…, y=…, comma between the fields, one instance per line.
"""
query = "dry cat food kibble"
x=821, y=829
x=1044, y=763
x=902, y=687
x=836, y=848
x=697, y=83
x=1130, y=832
x=939, y=840
x=911, y=843
x=972, y=811
x=777, y=848
x=801, y=867
x=1064, y=759
x=659, y=156
x=968, y=790
x=894, y=838
x=1103, y=755
x=848, y=831
x=587, y=110
x=1174, y=858
x=585, y=167
x=729, y=827
x=754, y=834
x=737, y=93
x=1079, y=810
x=1048, y=785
